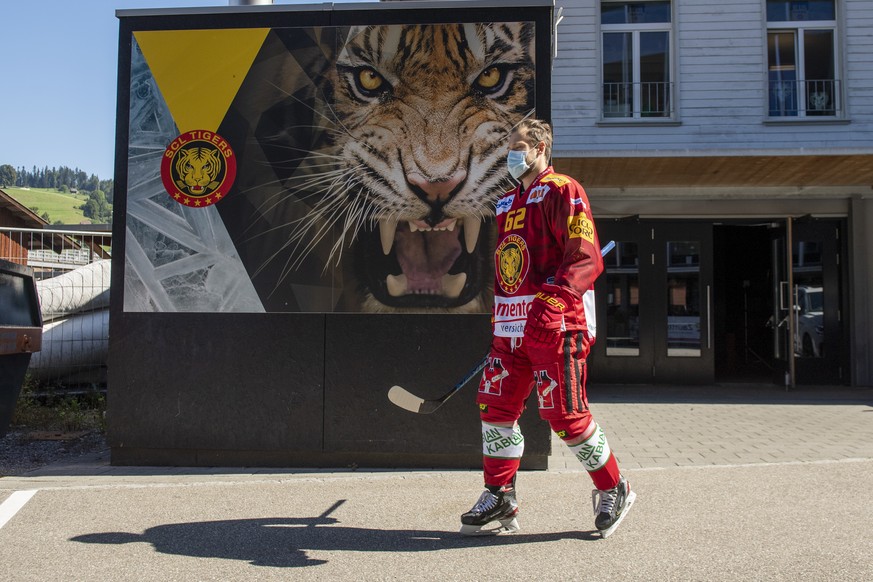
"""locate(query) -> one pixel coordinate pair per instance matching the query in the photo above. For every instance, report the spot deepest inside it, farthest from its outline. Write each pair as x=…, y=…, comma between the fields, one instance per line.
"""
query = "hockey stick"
x=406, y=400
x=409, y=401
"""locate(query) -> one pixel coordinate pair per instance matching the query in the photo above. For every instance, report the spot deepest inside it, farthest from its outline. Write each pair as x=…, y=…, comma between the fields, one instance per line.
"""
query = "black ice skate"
x=611, y=506
x=499, y=506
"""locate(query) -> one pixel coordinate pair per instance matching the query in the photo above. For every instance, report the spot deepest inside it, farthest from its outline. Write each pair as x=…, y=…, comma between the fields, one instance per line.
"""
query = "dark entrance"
x=744, y=345
x=702, y=302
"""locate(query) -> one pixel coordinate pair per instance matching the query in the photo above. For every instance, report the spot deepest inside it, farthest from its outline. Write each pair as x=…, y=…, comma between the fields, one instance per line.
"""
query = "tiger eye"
x=489, y=78
x=370, y=79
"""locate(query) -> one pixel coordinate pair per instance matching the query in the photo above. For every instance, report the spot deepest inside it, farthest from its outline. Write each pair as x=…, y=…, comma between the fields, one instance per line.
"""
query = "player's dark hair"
x=536, y=131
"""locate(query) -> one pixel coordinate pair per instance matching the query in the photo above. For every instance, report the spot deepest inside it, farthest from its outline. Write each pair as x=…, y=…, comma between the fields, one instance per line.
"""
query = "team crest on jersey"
x=198, y=168
x=504, y=204
x=556, y=179
x=579, y=226
x=512, y=261
x=537, y=194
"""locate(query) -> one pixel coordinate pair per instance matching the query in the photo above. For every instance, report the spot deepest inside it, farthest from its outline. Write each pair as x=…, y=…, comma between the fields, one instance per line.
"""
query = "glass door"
x=657, y=304
x=683, y=330
x=807, y=302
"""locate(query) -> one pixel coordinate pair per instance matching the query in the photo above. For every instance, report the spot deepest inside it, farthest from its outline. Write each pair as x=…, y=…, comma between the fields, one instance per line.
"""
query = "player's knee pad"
x=568, y=429
x=504, y=442
x=593, y=452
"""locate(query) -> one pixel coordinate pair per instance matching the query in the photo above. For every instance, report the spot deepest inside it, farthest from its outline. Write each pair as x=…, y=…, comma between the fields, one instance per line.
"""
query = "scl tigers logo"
x=198, y=168
x=512, y=262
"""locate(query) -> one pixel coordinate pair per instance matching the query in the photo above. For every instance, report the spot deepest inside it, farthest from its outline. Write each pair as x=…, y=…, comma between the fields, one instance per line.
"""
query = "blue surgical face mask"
x=517, y=164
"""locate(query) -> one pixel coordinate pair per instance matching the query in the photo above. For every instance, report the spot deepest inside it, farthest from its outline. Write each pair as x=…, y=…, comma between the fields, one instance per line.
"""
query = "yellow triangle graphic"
x=200, y=71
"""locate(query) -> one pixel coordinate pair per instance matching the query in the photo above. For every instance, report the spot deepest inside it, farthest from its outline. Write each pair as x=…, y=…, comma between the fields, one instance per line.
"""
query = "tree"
x=97, y=208
x=8, y=175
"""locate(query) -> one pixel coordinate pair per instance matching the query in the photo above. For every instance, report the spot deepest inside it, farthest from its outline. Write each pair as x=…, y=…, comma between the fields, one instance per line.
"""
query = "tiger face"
x=197, y=167
x=423, y=113
x=510, y=265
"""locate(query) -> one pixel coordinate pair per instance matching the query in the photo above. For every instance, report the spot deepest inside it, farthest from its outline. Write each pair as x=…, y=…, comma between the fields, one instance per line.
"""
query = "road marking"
x=14, y=503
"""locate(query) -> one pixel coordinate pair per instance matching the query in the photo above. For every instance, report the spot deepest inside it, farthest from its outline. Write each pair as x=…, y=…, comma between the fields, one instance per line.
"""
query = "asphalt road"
x=796, y=507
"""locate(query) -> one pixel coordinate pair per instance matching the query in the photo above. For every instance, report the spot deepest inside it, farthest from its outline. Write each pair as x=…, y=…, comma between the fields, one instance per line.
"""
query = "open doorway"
x=743, y=303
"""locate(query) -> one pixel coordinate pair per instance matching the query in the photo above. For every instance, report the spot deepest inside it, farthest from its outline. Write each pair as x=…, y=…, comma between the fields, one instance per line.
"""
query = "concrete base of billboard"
x=298, y=390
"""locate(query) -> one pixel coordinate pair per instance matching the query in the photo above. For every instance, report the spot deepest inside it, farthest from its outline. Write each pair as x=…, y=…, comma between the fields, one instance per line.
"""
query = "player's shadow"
x=284, y=541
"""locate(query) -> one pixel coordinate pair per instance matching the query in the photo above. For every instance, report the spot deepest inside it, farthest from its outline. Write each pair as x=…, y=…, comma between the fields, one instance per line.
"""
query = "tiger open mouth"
x=413, y=264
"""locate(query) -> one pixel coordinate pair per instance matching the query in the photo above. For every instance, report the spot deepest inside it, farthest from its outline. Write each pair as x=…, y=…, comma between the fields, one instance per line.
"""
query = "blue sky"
x=59, y=62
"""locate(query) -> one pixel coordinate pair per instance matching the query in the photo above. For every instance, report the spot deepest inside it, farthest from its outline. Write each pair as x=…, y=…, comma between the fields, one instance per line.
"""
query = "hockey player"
x=546, y=261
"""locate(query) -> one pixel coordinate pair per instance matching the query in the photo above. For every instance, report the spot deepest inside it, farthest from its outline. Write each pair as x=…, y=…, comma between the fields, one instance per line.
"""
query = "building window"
x=637, y=61
x=802, y=59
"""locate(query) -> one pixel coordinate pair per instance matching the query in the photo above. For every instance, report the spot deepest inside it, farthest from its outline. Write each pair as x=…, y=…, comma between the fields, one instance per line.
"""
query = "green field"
x=60, y=207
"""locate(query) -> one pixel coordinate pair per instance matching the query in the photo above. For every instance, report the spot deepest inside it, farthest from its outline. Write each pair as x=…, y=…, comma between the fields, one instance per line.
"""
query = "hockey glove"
x=555, y=309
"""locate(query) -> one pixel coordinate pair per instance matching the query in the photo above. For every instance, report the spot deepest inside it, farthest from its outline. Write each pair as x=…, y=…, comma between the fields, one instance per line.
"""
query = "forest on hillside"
x=73, y=178
x=98, y=193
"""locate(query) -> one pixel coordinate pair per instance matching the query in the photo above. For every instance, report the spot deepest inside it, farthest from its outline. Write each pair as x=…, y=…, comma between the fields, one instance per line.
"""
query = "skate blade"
x=631, y=497
x=506, y=526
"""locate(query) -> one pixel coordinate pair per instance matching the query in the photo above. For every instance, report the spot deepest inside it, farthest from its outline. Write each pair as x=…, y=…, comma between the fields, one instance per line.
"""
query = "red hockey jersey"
x=545, y=235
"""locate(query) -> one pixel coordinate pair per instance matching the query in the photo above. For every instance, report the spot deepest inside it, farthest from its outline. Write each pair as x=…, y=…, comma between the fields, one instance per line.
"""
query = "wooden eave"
x=721, y=171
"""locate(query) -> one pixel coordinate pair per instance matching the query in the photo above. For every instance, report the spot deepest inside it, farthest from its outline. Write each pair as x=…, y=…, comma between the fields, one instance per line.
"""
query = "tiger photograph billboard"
x=320, y=168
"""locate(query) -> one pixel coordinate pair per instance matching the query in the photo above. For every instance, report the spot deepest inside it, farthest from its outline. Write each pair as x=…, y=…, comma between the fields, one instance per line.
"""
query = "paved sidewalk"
x=733, y=484
x=653, y=426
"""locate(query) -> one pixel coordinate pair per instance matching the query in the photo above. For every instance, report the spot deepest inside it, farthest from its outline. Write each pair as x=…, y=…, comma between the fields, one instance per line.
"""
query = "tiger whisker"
x=335, y=119
x=330, y=178
x=289, y=267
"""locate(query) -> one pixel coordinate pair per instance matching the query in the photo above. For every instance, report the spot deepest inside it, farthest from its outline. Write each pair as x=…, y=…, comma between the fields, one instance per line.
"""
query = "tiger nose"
x=439, y=190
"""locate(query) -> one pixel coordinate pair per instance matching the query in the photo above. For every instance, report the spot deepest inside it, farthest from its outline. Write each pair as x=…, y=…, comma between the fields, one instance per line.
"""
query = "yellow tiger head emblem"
x=510, y=264
x=197, y=168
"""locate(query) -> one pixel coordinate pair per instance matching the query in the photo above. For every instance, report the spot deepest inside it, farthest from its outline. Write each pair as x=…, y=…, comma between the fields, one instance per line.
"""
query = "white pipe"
x=77, y=348
x=83, y=289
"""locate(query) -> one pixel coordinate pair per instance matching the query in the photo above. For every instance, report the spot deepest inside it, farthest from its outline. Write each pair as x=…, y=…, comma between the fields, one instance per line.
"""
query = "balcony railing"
x=810, y=98
x=638, y=100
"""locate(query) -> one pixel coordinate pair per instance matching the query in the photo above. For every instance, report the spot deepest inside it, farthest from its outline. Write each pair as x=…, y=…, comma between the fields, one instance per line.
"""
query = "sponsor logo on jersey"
x=512, y=261
x=510, y=315
x=579, y=226
x=198, y=168
x=556, y=179
x=504, y=204
x=579, y=202
x=537, y=194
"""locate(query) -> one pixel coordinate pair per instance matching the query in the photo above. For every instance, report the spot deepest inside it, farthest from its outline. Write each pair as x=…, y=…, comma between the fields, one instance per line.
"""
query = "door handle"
x=708, y=318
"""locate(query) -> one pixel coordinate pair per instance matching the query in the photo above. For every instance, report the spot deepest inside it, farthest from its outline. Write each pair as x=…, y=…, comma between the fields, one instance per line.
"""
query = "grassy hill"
x=59, y=206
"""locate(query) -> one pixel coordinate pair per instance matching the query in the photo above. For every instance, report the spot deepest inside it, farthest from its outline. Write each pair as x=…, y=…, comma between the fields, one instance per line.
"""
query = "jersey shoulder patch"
x=556, y=179
x=504, y=204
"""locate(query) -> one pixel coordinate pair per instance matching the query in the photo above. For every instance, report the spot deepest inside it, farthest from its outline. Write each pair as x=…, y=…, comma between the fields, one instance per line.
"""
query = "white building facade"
x=727, y=147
